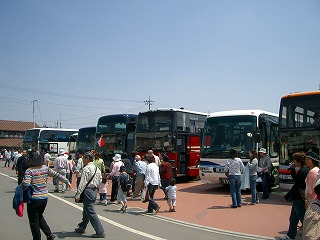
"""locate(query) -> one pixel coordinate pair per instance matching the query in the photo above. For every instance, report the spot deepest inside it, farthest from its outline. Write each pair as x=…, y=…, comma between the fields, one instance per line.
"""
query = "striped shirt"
x=37, y=177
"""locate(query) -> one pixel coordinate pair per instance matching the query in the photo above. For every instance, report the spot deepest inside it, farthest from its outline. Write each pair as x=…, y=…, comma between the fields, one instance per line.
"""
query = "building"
x=12, y=132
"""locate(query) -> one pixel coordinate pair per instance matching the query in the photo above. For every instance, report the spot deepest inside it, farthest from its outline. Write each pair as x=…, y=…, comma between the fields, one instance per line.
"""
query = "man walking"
x=61, y=165
x=89, y=183
x=265, y=166
x=22, y=166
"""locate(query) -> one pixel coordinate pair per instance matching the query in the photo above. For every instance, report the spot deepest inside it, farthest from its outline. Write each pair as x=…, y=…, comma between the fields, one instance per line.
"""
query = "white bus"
x=241, y=130
x=48, y=139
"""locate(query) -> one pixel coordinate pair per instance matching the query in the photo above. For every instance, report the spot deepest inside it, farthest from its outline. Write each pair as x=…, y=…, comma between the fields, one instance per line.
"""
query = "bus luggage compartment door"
x=181, y=150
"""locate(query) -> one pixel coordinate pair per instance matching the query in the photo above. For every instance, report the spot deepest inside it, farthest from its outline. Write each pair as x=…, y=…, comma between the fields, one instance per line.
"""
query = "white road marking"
x=143, y=234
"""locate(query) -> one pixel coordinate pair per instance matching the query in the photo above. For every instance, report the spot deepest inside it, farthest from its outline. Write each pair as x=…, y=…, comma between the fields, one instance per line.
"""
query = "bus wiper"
x=214, y=151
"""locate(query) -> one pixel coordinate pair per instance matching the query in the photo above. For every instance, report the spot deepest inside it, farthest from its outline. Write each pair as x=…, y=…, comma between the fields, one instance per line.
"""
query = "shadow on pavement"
x=70, y=235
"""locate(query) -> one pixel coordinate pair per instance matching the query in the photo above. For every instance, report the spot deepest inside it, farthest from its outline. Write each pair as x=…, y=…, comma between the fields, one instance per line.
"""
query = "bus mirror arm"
x=257, y=137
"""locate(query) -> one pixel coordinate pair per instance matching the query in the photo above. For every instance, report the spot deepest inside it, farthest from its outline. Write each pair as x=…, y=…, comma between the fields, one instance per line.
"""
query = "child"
x=103, y=190
x=123, y=181
x=172, y=195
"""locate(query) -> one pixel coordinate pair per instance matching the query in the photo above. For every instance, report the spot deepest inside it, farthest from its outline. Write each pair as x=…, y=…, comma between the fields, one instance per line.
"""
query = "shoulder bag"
x=82, y=194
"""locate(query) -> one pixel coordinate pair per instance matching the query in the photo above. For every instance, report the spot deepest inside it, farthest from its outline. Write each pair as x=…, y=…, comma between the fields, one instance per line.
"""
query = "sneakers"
x=80, y=230
x=157, y=209
x=124, y=208
x=101, y=235
x=56, y=191
x=51, y=237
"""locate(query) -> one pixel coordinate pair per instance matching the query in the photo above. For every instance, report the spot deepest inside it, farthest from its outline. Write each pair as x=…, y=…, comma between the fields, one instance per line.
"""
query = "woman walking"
x=234, y=167
x=36, y=176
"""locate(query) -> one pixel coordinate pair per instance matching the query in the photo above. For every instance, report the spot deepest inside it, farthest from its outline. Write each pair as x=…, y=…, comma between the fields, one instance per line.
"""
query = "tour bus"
x=115, y=134
x=86, y=138
x=175, y=132
x=48, y=139
x=299, y=127
x=241, y=130
x=72, y=145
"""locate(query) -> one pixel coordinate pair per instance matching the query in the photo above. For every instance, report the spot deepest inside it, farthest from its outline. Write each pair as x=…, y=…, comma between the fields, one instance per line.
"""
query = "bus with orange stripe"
x=299, y=127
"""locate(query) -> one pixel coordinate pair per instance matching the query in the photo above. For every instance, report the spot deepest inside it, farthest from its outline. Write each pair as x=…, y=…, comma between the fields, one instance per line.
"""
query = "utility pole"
x=33, y=114
x=149, y=102
x=60, y=120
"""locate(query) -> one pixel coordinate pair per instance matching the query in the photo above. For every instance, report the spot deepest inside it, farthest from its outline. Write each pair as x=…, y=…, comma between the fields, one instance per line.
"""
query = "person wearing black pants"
x=152, y=182
x=114, y=174
x=35, y=211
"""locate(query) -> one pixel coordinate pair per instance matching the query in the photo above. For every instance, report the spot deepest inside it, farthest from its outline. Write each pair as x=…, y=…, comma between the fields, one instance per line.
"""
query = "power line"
x=56, y=94
x=149, y=102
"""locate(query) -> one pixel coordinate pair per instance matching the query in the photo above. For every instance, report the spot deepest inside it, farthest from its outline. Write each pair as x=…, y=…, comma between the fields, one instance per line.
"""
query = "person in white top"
x=156, y=158
x=115, y=167
x=152, y=182
x=46, y=158
x=61, y=165
x=235, y=166
x=79, y=167
x=89, y=184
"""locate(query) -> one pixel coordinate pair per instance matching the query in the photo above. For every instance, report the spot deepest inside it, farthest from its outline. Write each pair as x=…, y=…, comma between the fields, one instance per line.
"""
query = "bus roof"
x=301, y=94
x=55, y=129
x=241, y=113
x=175, y=110
x=115, y=115
x=93, y=127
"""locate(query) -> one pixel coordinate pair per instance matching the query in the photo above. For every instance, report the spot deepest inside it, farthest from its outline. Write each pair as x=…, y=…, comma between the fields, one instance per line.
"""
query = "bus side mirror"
x=257, y=137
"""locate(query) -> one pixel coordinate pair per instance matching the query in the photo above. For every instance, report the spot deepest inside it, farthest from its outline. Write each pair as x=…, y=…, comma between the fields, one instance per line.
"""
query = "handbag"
x=82, y=194
x=19, y=210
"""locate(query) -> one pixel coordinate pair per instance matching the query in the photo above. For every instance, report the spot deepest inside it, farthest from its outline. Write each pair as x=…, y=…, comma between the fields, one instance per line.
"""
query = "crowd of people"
x=304, y=193
x=129, y=176
x=132, y=175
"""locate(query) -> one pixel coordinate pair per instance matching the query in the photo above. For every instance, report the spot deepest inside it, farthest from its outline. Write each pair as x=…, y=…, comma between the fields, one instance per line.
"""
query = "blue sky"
x=84, y=59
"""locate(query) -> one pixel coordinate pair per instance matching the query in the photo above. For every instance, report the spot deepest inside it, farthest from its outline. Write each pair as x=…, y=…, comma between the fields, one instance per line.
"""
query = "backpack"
x=125, y=182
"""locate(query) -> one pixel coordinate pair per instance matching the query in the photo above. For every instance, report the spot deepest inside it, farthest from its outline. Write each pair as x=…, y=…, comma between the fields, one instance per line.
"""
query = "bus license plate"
x=223, y=180
x=285, y=176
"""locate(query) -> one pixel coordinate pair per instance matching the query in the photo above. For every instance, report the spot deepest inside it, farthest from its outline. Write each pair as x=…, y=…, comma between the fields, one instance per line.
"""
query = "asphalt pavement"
x=203, y=212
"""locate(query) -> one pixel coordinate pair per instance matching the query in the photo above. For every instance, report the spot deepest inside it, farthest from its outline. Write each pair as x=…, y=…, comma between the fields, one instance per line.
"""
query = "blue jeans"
x=253, y=188
x=297, y=213
x=235, y=188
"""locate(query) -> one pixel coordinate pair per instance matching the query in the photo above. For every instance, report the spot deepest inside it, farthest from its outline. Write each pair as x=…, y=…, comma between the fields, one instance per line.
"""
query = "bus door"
x=130, y=143
x=182, y=154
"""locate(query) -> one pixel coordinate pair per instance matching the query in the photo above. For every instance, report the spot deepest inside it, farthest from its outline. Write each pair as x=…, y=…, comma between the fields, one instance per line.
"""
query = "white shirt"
x=152, y=175
x=235, y=166
x=87, y=173
x=79, y=167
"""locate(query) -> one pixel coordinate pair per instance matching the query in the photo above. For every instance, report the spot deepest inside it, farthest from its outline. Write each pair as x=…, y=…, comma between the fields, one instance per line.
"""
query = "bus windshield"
x=112, y=124
x=86, y=138
x=159, y=141
x=31, y=135
x=223, y=133
x=54, y=136
x=155, y=121
x=300, y=111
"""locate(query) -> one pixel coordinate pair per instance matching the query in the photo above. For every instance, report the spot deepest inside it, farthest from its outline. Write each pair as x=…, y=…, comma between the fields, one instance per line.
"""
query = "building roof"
x=19, y=126
x=11, y=142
